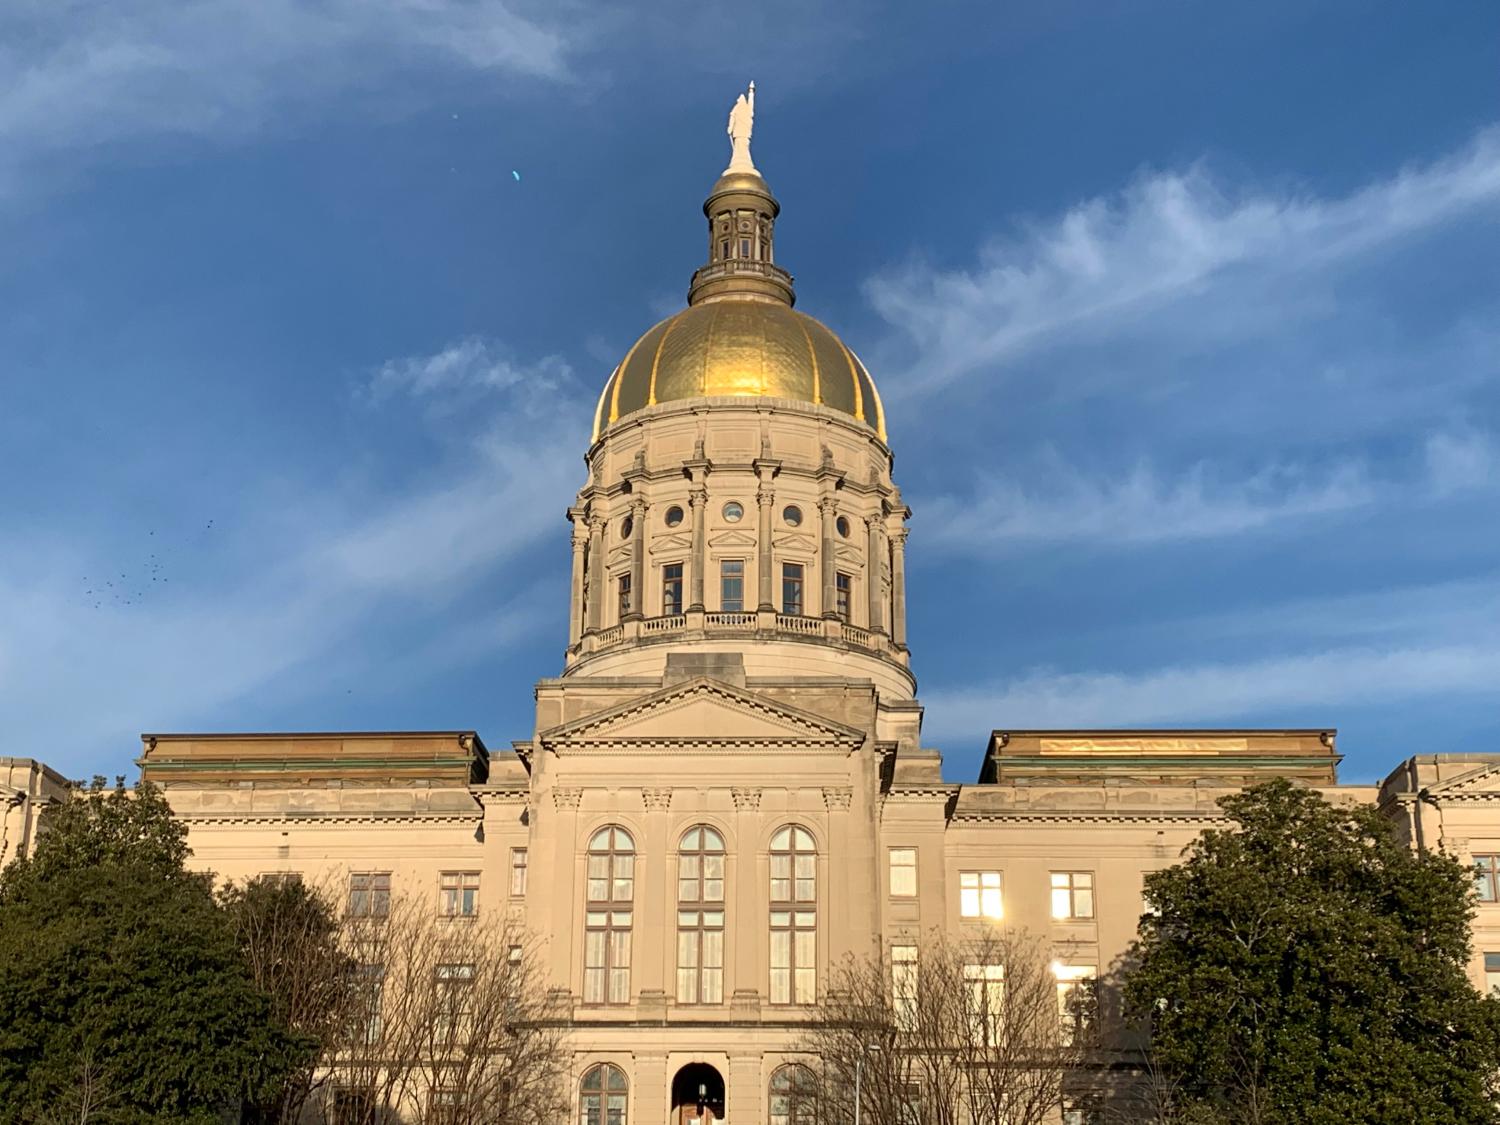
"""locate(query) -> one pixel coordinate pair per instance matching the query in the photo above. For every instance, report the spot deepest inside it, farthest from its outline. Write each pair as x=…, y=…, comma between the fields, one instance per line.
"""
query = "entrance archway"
x=697, y=1095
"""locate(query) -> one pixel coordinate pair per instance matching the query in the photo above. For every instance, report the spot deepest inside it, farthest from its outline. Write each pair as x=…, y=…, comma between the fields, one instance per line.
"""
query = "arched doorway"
x=697, y=1095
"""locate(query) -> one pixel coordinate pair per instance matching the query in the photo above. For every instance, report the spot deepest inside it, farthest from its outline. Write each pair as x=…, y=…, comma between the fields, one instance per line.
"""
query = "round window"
x=734, y=511
x=627, y=525
x=674, y=516
x=842, y=524
x=792, y=515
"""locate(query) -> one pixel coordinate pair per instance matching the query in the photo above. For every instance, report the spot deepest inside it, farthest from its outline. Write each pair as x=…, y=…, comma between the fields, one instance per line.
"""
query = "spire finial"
x=741, y=122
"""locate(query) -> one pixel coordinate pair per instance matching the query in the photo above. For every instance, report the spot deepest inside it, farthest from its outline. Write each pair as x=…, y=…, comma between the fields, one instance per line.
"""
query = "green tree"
x=123, y=997
x=1305, y=967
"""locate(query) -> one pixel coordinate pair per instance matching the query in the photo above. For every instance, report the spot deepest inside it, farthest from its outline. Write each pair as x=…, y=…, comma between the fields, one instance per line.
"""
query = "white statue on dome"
x=741, y=122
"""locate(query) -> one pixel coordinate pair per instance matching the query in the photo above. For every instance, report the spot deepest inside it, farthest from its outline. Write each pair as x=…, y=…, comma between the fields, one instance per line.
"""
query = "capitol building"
x=726, y=792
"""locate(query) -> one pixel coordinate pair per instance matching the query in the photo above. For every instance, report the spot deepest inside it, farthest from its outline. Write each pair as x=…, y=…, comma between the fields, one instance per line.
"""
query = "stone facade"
x=725, y=791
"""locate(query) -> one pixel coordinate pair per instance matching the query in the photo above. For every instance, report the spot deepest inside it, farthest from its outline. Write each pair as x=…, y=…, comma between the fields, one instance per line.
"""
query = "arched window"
x=794, y=1099
x=700, y=917
x=794, y=918
x=602, y=1095
x=611, y=890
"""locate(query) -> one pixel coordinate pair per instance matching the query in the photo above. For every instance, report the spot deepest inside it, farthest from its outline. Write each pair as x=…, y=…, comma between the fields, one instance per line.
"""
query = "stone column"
x=875, y=574
x=654, y=955
x=575, y=589
x=828, y=511
x=898, y=587
x=638, y=510
x=765, y=499
x=698, y=505
x=746, y=922
x=597, y=574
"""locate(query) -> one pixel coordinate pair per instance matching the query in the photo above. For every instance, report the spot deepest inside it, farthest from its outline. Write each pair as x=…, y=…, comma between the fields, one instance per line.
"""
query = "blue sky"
x=1187, y=316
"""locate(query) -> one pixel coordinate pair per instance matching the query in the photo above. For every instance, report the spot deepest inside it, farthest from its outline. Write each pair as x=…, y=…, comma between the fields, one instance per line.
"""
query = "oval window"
x=734, y=511
x=843, y=525
x=674, y=516
x=627, y=525
x=792, y=515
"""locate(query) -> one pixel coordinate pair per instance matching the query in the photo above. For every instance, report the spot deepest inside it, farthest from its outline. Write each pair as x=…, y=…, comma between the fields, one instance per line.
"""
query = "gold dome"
x=745, y=347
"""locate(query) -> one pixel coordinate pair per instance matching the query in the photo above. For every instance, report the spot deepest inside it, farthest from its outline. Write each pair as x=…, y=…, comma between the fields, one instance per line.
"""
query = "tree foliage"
x=1305, y=967
x=124, y=997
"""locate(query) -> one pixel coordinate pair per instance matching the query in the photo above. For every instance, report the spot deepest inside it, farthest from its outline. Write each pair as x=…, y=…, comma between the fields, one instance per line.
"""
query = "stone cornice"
x=1083, y=816
x=337, y=819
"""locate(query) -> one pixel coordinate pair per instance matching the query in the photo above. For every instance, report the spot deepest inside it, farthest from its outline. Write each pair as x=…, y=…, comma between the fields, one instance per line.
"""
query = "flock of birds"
x=128, y=588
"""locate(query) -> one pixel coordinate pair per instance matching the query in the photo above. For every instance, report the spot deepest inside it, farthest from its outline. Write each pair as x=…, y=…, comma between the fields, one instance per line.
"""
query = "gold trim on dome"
x=744, y=349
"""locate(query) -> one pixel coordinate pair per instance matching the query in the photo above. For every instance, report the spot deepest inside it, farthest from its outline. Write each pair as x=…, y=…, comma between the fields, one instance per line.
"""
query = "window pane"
x=1062, y=906
x=968, y=903
x=1083, y=903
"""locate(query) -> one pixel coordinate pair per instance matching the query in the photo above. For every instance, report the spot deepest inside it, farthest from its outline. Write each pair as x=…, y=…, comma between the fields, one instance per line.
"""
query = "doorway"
x=697, y=1095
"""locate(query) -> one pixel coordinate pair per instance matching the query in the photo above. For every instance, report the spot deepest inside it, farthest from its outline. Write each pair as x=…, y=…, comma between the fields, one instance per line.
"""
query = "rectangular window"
x=623, y=583
x=700, y=956
x=1486, y=870
x=1491, y=973
x=843, y=588
x=366, y=985
x=984, y=986
x=979, y=895
x=793, y=950
x=459, y=896
x=732, y=585
x=1077, y=998
x=280, y=878
x=369, y=894
x=445, y=1106
x=744, y=248
x=353, y=1106
x=455, y=987
x=1072, y=895
x=791, y=589
x=904, y=985
x=671, y=589
x=517, y=872
x=903, y=872
x=724, y=248
x=606, y=957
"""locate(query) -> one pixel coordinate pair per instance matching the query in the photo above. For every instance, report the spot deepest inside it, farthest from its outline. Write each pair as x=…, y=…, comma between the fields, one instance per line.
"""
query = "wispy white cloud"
x=1317, y=684
x=467, y=369
x=1167, y=238
x=299, y=594
x=76, y=75
x=1140, y=507
x=1145, y=506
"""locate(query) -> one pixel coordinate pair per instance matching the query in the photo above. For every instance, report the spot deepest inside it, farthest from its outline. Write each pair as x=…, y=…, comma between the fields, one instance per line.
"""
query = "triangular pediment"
x=795, y=540
x=732, y=539
x=703, y=714
x=1482, y=781
x=673, y=542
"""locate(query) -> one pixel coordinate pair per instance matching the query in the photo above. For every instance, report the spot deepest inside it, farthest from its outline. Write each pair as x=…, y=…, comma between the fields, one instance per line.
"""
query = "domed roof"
x=740, y=347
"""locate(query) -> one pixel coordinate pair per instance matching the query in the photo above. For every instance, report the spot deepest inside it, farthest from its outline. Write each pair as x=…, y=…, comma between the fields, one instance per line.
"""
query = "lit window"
x=1486, y=871
x=843, y=587
x=671, y=589
x=369, y=894
x=517, y=872
x=794, y=1099
x=984, y=987
x=794, y=920
x=1072, y=894
x=1491, y=973
x=904, y=985
x=979, y=894
x=732, y=585
x=602, y=1096
x=1077, y=998
x=791, y=589
x=700, y=917
x=611, y=892
x=903, y=872
x=623, y=585
x=459, y=896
